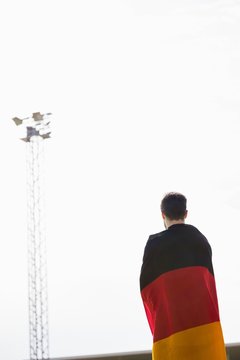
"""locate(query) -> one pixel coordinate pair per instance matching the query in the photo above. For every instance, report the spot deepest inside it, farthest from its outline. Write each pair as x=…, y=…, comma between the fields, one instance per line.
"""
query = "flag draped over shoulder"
x=179, y=296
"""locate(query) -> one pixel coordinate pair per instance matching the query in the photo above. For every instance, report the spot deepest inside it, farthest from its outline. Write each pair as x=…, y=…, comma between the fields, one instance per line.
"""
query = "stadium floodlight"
x=19, y=121
x=37, y=116
x=34, y=132
x=46, y=136
x=37, y=130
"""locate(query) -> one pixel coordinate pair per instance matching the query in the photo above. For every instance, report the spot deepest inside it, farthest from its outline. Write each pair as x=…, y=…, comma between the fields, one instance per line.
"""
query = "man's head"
x=173, y=208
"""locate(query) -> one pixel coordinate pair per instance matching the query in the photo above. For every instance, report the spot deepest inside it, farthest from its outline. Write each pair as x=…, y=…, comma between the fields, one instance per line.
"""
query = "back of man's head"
x=174, y=206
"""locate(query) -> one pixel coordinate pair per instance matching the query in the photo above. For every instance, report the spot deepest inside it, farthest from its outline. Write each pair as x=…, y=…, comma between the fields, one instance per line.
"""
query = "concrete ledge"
x=233, y=353
x=135, y=355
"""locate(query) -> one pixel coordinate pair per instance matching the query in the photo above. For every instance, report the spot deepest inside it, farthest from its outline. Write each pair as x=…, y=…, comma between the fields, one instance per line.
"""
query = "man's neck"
x=174, y=222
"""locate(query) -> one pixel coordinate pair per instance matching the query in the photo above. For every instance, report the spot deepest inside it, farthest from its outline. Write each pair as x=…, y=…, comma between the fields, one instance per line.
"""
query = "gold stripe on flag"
x=203, y=342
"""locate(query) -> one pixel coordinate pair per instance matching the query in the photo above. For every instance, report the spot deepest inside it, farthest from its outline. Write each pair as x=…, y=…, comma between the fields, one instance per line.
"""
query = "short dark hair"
x=174, y=205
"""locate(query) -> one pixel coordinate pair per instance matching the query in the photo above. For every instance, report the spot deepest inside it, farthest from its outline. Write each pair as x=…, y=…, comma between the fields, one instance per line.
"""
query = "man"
x=178, y=289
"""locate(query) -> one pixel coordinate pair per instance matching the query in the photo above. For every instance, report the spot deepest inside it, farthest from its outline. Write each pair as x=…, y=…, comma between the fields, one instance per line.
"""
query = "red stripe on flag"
x=179, y=300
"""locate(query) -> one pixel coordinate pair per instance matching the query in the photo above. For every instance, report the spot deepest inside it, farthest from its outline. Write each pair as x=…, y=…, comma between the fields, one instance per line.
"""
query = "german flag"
x=179, y=296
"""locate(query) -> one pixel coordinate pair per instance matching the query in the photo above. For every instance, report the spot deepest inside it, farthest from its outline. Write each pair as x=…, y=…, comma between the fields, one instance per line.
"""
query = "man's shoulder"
x=187, y=230
x=156, y=238
x=165, y=233
x=158, y=235
x=153, y=241
x=195, y=230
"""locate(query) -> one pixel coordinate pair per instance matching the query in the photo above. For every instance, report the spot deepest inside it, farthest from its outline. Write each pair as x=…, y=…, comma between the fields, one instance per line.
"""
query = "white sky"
x=145, y=99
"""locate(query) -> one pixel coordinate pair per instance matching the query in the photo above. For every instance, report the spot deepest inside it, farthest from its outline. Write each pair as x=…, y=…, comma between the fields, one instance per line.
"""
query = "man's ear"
x=163, y=216
x=186, y=214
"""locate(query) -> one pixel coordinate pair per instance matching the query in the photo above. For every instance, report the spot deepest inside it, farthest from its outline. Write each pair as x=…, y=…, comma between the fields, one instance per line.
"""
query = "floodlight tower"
x=37, y=129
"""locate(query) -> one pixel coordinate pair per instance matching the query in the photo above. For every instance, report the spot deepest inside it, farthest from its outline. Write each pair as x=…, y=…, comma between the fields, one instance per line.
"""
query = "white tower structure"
x=37, y=129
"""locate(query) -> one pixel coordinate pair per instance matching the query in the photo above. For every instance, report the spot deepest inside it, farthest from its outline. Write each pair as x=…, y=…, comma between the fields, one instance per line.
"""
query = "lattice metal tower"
x=37, y=129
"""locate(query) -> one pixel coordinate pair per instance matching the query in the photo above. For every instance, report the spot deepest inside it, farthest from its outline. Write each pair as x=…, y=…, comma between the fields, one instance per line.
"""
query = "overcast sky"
x=145, y=99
